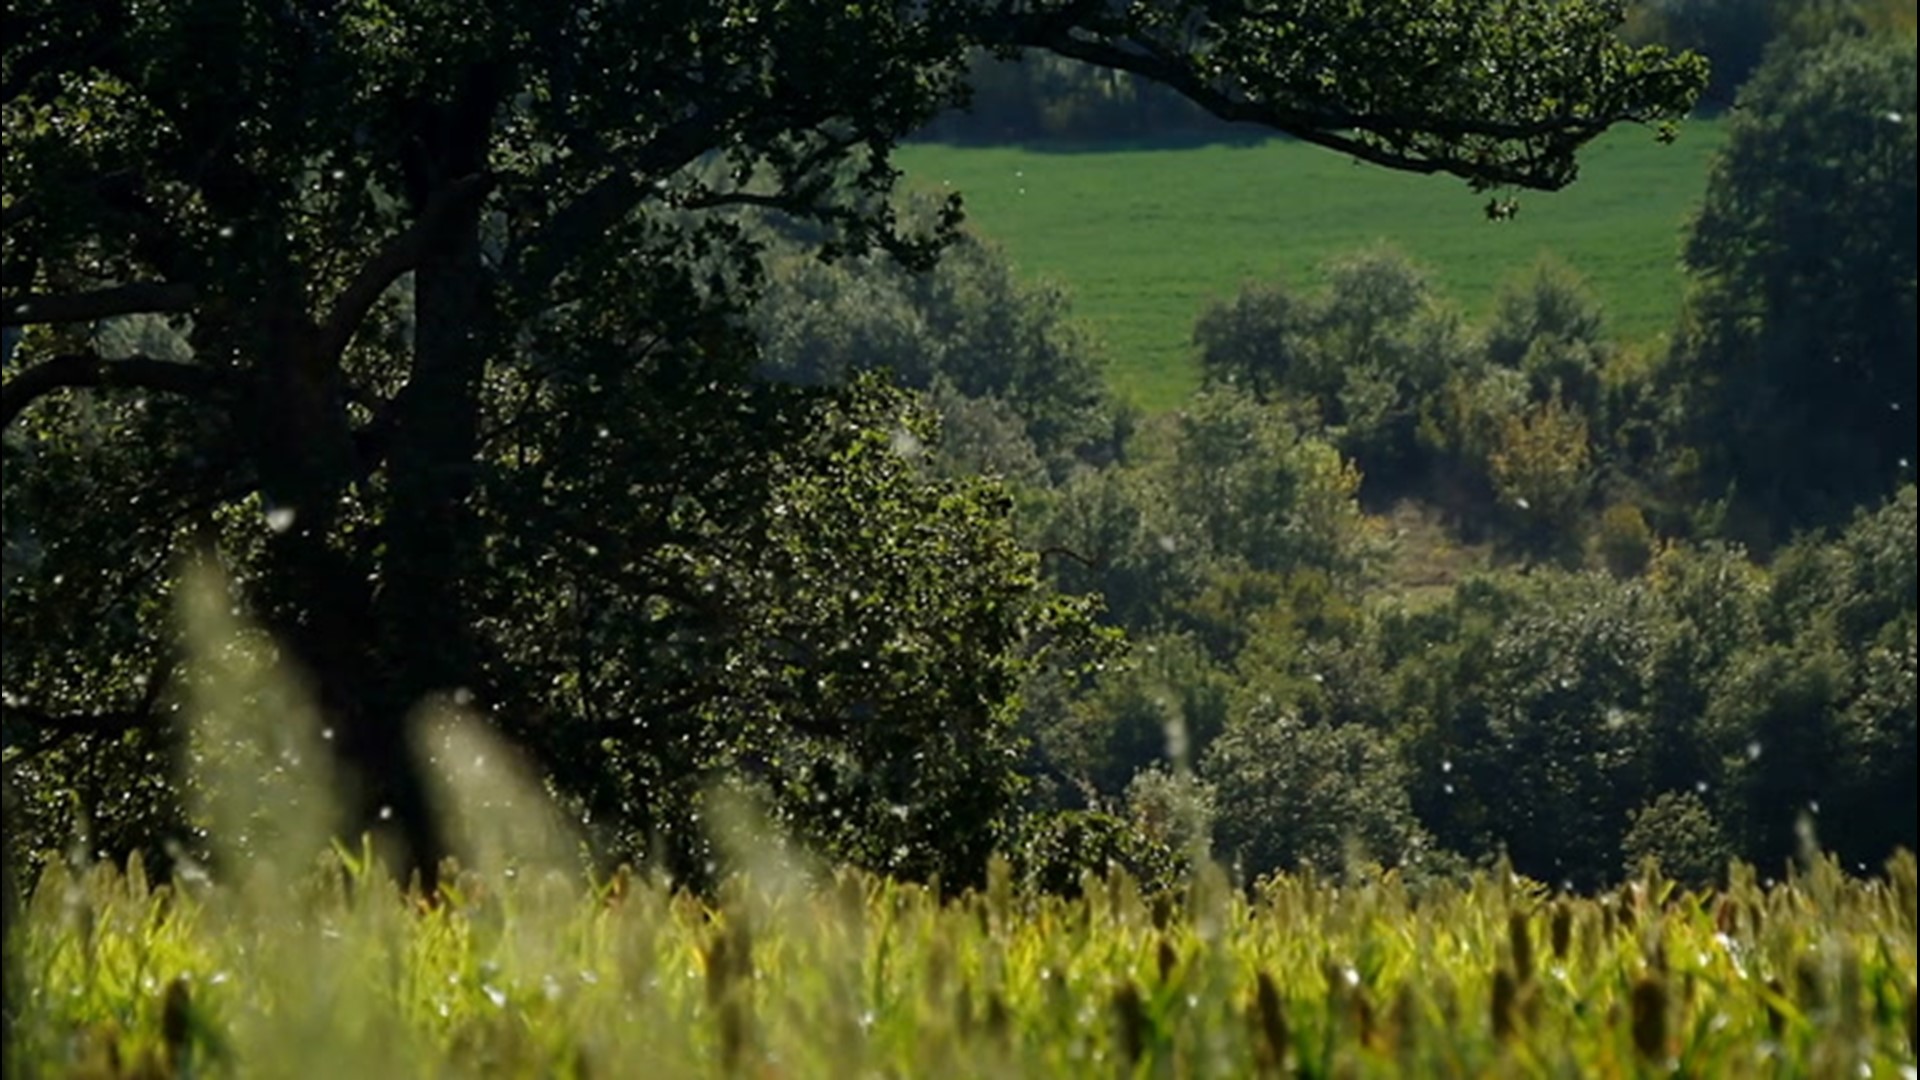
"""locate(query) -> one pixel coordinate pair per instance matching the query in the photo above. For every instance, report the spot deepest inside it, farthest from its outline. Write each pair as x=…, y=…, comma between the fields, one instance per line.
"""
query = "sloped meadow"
x=296, y=956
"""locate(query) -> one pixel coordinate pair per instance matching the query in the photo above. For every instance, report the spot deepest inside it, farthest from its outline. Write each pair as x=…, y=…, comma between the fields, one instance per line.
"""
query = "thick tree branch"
x=535, y=262
x=85, y=370
x=35, y=309
x=103, y=723
x=58, y=728
x=54, y=730
x=400, y=255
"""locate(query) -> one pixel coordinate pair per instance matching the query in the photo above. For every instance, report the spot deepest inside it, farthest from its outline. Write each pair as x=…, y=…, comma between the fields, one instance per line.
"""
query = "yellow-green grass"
x=855, y=976
x=1145, y=238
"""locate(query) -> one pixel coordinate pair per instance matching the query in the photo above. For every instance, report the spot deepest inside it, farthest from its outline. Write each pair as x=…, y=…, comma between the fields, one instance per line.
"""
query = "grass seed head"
x=1851, y=990
x=733, y=1031
x=176, y=1019
x=999, y=1021
x=1808, y=992
x=1130, y=1017
x=1654, y=947
x=1776, y=1020
x=1162, y=912
x=1405, y=1021
x=1560, y=929
x=1520, y=939
x=963, y=1008
x=1501, y=1008
x=1913, y=1023
x=1365, y=1022
x=1650, y=1017
x=1269, y=1026
x=939, y=963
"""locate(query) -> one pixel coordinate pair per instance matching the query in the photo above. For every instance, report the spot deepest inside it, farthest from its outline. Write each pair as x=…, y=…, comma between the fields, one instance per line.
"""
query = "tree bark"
x=321, y=602
x=428, y=525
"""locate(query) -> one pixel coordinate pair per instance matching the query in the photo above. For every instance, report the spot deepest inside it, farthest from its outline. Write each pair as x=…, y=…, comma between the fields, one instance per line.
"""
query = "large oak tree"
x=373, y=237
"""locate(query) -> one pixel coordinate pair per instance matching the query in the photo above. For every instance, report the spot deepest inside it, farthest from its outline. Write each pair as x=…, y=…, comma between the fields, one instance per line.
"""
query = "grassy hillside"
x=1145, y=237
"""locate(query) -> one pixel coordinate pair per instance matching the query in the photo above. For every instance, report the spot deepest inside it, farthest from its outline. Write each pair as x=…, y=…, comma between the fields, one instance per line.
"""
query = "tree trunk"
x=428, y=523
x=322, y=606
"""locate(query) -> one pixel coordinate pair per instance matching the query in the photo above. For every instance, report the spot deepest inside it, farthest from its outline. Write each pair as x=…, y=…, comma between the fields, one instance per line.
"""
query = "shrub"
x=1290, y=793
x=1055, y=852
x=1625, y=543
x=1679, y=834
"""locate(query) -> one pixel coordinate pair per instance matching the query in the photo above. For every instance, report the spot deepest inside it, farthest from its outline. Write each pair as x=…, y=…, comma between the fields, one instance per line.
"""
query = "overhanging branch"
x=144, y=298
x=86, y=370
x=1332, y=128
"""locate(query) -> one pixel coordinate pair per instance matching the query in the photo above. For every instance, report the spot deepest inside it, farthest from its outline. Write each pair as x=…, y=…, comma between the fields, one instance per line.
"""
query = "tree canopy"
x=427, y=315
x=1800, y=378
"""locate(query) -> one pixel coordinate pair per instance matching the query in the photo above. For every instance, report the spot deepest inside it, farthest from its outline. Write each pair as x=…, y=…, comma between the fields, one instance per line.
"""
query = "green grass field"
x=1145, y=238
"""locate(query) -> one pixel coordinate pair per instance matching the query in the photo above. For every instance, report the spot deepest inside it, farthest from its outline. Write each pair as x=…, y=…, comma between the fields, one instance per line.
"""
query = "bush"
x=1542, y=474
x=1525, y=705
x=1174, y=809
x=1290, y=793
x=1366, y=353
x=1625, y=543
x=1055, y=852
x=1679, y=834
x=968, y=330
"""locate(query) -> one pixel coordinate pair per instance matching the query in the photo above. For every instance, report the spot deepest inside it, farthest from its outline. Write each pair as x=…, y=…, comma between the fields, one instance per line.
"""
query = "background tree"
x=1039, y=97
x=1368, y=353
x=966, y=330
x=1733, y=34
x=1797, y=357
x=1290, y=792
x=1817, y=715
x=1525, y=703
x=1216, y=501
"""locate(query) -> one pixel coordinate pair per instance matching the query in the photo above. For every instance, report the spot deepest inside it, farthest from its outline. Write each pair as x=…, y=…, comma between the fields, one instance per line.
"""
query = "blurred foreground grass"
x=531, y=975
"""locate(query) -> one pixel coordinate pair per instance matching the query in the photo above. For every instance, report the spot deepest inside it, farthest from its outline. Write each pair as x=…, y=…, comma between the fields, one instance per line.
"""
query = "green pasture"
x=1145, y=237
